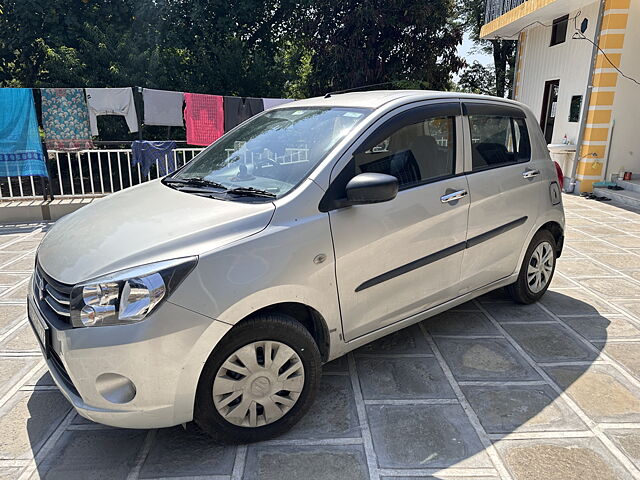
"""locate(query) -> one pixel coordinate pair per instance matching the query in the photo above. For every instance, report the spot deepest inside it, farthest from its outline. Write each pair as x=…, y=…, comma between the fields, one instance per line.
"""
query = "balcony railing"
x=95, y=173
x=495, y=8
x=86, y=174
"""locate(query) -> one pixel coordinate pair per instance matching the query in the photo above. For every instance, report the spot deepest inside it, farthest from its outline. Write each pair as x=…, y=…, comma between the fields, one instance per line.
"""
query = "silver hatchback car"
x=217, y=293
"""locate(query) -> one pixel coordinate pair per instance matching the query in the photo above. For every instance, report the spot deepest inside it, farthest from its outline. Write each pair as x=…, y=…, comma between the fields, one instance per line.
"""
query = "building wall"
x=625, y=137
x=611, y=140
x=568, y=62
x=604, y=147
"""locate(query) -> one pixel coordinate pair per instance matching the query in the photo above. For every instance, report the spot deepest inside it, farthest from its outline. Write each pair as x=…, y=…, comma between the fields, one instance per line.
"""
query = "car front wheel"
x=259, y=381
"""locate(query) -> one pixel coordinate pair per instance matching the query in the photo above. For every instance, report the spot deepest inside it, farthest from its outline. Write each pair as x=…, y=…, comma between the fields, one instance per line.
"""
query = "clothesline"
x=69, y=119
x=206, y=117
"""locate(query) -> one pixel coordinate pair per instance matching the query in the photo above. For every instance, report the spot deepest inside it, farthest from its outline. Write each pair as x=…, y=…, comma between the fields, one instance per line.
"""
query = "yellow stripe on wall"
x=589, y=168
x=613, y=59
x=612, y=40
x=615, y=21
x=593, y=151
x=617, y=4
x=598, y=117
x=602, y=98
x=594, y=134
x=607, y=79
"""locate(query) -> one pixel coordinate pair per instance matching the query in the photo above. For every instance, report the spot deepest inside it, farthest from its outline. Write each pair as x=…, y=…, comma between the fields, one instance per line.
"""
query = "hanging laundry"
x=204, y=118
x=111, y=101
x=146, y=154
x=65, y=119
x=274, y=102
x=239, y=109
x=20, y=148
x=162, y=107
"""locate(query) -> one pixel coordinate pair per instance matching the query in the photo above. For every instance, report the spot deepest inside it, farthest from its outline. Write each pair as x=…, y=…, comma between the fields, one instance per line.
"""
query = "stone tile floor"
x=489, y=390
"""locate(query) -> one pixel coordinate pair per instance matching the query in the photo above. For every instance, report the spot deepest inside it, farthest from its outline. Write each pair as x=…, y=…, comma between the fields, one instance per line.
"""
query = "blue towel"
x=146, y=153
x=20, y=148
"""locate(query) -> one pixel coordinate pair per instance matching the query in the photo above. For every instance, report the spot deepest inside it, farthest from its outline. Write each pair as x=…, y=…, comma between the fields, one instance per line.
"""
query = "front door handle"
x=530, y=173
x=452, y=197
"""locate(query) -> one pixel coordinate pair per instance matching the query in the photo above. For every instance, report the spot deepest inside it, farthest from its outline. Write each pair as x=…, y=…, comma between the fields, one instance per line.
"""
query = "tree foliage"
x=477, y=78
x=356, y=42
x=503, y=51
x=235, y=47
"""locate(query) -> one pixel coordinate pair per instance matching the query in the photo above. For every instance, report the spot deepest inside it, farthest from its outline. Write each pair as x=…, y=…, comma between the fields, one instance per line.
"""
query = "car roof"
x=377, y=98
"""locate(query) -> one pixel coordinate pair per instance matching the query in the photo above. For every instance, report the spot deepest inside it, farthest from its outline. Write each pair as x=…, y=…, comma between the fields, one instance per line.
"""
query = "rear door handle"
x=530, y=173
x=452, y=197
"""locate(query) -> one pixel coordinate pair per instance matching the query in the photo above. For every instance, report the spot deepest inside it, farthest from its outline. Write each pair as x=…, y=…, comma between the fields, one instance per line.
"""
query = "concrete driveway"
x=489, y=390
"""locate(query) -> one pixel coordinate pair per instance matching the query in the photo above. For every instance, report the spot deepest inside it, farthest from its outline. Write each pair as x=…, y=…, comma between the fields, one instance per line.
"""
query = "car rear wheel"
x=259, y=381
x=537, y=269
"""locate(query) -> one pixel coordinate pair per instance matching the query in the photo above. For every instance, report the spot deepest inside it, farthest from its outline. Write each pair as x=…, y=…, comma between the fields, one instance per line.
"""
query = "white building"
x=574, y=87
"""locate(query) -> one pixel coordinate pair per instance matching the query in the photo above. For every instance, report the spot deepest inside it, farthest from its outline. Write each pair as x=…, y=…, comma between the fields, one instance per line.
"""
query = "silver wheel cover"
x=258, y=384
x=540, y=267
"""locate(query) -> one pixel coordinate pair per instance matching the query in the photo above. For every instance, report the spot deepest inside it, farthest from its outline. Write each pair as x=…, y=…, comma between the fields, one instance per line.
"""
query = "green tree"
x=503, y=51
x=233, y=47
x=476, y=78
x=354, y=43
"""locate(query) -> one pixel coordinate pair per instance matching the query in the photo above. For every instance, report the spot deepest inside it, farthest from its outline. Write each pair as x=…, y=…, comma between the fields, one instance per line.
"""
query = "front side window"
x=271, y=153
x=415, y=154
x=498, y=141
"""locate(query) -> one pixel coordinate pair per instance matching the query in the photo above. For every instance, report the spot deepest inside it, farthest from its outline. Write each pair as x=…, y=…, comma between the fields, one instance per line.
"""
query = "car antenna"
x=328, y=94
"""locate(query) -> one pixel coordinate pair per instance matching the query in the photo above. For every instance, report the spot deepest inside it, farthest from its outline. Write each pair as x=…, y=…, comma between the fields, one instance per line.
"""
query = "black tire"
x=520, y=290
x=275, y=327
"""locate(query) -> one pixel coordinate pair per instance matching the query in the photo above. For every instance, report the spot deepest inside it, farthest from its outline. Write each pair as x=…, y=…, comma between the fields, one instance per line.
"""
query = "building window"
x=559, y=30
x=574, y=109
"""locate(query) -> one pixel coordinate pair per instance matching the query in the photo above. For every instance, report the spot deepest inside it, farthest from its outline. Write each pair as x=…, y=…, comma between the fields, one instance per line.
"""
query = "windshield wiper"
x=251, y=192
x=202, y=182
x=195, y=181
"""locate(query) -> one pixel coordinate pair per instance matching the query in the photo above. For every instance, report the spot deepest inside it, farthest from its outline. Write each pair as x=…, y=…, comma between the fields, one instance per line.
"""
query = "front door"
x=549, y=108
x=398, y=258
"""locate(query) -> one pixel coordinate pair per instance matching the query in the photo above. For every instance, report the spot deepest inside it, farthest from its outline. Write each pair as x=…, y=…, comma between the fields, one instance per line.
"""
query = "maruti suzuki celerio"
x=217, y=293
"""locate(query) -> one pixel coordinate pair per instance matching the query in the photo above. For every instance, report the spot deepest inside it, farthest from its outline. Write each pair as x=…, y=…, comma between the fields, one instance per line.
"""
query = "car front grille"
x=52, y=297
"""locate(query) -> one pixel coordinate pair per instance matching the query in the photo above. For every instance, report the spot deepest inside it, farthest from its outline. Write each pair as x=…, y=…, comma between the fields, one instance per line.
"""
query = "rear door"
x=504, y=188
x=398, y=258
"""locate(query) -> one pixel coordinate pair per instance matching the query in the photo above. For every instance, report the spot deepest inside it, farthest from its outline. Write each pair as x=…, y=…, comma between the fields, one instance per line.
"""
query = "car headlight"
x=127, y=296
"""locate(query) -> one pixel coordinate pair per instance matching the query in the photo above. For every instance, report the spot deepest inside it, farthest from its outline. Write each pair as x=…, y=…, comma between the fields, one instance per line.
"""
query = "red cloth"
x=204, y=118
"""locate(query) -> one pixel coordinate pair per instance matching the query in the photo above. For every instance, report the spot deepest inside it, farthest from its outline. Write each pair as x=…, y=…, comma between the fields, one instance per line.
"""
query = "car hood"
x=143, y=224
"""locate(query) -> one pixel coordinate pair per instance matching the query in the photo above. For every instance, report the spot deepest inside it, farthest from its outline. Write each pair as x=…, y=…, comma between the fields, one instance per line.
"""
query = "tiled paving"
x=489, y=390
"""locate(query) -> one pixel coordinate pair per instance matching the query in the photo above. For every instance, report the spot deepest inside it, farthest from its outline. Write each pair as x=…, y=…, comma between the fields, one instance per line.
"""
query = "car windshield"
x=272, y=153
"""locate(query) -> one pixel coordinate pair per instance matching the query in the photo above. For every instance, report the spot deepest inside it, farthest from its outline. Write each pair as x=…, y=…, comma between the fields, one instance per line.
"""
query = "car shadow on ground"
x=448, y=393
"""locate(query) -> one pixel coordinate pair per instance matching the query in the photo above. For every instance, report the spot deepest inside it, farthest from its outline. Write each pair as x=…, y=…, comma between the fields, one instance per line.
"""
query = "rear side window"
x=498, y=140
x=418, y=153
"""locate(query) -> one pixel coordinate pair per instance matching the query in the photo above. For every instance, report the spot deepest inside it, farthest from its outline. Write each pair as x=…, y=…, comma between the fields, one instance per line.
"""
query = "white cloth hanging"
x=111, y=101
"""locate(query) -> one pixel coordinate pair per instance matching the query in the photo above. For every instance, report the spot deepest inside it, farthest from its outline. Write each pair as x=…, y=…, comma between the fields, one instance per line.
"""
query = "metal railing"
x=494, y=8
x=88, y=173
x=95, y=173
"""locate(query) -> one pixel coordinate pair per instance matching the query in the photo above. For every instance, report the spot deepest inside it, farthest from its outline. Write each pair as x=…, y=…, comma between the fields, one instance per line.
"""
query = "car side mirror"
x=371, y=188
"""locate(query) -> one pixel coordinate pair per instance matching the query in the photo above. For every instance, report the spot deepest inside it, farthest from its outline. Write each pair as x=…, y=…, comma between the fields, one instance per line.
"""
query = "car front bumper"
x=142, y=375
